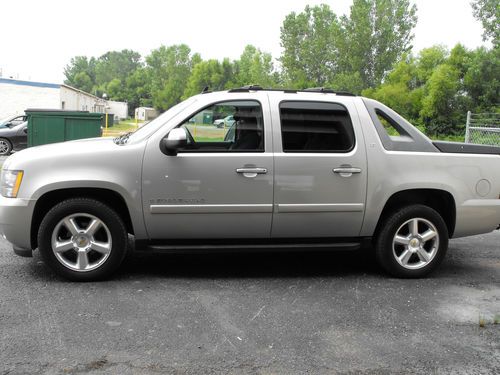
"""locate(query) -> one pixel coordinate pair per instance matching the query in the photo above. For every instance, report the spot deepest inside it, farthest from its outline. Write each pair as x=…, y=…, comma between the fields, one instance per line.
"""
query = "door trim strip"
x=209, y=208
x=323, y=207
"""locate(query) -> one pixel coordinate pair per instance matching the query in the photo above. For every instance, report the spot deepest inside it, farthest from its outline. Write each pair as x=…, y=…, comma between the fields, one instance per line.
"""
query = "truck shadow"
x=251, y=264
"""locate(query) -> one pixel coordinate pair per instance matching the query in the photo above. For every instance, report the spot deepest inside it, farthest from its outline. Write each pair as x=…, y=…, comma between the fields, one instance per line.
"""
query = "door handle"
x=251, y=172
x=346, y=171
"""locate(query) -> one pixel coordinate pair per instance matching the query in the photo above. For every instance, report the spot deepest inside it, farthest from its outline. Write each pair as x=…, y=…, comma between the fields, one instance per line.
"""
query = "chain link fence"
x=483, y=128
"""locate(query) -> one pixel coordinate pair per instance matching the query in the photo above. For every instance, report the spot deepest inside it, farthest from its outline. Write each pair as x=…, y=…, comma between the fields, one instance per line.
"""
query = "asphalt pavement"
x=299, y=313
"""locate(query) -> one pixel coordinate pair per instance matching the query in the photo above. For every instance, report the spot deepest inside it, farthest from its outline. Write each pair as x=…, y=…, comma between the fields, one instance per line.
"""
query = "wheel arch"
x=51, y=198
x=441, y=201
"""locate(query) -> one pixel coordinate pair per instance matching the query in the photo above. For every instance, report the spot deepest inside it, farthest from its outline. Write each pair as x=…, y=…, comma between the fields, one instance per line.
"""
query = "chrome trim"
x=326, y=207
x=347, y=170
x=209, y=208
x=251, y=170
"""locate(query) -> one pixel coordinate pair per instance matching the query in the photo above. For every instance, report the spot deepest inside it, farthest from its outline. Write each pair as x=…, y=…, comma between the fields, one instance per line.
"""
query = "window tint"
x=235, y=126
x=315, y=127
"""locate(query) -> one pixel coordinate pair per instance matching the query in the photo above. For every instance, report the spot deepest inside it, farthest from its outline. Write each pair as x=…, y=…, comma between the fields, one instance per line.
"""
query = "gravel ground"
x=300, y=313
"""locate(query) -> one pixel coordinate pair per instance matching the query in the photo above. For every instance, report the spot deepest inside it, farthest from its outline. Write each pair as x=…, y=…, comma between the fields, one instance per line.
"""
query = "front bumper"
x=15, y=221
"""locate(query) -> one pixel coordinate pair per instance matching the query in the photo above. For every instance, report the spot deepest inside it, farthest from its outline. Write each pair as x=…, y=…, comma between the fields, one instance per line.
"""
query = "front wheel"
x=82, y=239
x=412, y=242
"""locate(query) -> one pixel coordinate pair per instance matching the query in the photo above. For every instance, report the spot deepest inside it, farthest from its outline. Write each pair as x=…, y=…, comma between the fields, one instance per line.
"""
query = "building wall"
x=119, y=109
x=17, y=96
x=76, y=100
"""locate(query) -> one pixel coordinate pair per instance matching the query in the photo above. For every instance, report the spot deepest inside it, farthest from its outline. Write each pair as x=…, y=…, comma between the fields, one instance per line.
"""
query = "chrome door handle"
x=251, y=172
x=346, y=171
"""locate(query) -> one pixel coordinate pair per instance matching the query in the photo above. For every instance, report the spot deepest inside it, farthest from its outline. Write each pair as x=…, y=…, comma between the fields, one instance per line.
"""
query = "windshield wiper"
x=122, y=139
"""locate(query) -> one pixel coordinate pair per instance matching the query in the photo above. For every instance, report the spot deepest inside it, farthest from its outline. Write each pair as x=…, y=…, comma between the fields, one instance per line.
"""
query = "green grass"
x=120, y=128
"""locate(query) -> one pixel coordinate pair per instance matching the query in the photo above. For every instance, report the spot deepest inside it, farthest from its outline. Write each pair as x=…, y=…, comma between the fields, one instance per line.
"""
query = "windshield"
x=149, y=128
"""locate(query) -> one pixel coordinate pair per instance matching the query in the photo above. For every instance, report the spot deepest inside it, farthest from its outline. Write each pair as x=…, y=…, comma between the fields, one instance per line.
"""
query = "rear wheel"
x=82, y=239
x=5, y=146
x=412, y=242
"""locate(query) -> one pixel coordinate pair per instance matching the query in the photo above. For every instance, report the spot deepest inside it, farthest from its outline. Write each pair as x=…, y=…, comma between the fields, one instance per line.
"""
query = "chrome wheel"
x=81, y=242
x=415, y=243
x=4, y=147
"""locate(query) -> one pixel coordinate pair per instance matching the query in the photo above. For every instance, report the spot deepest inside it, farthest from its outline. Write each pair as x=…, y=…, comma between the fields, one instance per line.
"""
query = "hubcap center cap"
x=414, y=244
x=81, y=241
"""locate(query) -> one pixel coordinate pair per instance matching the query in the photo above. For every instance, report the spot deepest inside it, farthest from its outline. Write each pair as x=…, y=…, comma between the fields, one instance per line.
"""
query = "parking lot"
x=297, y=313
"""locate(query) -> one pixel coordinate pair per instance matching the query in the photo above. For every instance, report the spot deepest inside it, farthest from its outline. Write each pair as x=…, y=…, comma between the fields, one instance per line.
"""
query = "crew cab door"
x=320, y=167
x=221, y=184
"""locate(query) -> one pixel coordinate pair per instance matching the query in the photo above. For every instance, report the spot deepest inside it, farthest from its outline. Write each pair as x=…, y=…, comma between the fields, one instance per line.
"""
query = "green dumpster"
x=50, y=126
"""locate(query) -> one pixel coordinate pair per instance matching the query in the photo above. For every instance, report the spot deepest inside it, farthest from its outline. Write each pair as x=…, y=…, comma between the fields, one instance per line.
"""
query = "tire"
x=82, y=239
x=5, y=146
x=412, y=242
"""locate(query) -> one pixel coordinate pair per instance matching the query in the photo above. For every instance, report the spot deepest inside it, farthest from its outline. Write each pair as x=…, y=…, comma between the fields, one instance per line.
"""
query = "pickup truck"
x=298, y=169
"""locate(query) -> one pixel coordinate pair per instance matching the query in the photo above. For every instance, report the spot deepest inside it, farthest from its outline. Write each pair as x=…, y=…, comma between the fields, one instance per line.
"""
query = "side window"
x=388, y=123
x=233, y=126
x=315, y=127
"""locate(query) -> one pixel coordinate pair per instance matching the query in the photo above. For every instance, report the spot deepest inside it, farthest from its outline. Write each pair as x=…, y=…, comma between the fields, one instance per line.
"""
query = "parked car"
x=225, y=122
x=13, y=136
x=310, y=169
x=13, y=120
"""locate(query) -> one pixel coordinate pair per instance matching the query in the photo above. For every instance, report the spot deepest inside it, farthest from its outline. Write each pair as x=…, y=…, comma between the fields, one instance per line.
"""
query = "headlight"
x=10, y=182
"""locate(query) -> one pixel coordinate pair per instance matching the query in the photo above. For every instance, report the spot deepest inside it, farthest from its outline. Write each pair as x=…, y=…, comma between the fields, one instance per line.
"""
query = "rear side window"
x=315, y=127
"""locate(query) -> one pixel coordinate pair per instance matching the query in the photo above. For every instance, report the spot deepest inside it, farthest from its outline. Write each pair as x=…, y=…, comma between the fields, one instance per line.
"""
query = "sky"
x=39, y=37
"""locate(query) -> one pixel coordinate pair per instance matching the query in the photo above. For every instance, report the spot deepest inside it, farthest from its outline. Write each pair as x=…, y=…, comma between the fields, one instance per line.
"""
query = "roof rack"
x=293, y=91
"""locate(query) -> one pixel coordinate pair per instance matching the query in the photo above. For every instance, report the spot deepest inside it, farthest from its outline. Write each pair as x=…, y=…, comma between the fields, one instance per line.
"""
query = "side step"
x=240, y=247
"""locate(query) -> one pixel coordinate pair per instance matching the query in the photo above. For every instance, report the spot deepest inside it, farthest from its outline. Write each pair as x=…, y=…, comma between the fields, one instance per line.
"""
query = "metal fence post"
x=467, y=125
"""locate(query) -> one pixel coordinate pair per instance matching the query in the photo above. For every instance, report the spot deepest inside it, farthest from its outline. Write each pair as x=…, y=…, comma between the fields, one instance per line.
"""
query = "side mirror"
x=176, y=139
x=25, y=130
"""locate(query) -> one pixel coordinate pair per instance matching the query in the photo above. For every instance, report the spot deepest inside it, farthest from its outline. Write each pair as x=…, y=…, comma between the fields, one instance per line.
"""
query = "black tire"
x=6, y=147
x=387, y=255
x=113, y=222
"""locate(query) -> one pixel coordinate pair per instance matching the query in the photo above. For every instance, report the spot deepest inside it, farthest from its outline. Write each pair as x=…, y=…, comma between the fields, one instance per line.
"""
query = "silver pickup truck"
x=308, y=169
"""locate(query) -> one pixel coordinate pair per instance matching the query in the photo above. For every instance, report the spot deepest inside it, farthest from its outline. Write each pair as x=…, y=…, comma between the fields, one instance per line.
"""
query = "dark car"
x=13, y=134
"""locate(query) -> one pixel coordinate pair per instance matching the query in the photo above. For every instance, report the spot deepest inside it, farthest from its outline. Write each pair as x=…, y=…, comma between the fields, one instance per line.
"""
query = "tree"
x=254, y=67
x=211, y=74
x=374, y=37
x=169, y=69
x=354, y=52
x=310, y=47
x=116, y=64
x=488, y=12
x=80, y=73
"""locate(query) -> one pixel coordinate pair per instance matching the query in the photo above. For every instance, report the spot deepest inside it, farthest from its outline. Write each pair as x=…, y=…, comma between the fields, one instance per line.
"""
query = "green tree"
x=211, y=74
x=254, y=67
x=169, y=69
x=116, y=65
x=80, y=73
x=488, y=12
x=310, y=47
x=374, y=36
x=482, y=80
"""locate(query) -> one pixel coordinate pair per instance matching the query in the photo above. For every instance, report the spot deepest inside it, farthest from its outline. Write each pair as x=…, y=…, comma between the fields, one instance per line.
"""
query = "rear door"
x=320, y=167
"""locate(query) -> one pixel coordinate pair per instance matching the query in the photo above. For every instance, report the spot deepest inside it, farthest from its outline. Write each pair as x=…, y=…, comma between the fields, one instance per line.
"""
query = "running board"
x=201, y=248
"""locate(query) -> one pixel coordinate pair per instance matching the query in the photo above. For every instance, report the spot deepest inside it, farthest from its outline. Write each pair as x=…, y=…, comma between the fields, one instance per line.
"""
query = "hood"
x=62, y=150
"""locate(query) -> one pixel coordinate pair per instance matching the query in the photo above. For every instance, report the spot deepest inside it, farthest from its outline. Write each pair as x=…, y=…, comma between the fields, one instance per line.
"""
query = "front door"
x=320, y=169
x=221, y=184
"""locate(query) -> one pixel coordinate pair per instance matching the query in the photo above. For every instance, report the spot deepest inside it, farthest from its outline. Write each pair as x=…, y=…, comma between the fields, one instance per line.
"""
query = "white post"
x=467, y=126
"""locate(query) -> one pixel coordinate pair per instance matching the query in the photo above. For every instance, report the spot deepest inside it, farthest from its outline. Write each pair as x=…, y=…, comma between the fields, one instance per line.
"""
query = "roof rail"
x=292, y=91
x=247, y=88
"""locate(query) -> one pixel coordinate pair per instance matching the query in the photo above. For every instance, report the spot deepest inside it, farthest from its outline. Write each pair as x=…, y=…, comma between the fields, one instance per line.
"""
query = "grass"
x=120, y=128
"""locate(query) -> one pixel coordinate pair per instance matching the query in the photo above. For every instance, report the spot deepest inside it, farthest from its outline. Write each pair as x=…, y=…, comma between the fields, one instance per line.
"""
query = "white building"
x=16, y=96
x=145, y=113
